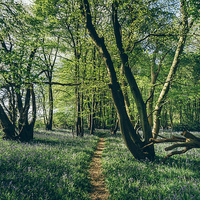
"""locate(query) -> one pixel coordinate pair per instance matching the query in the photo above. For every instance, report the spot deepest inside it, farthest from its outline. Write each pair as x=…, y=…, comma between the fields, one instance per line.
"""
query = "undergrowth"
x=53, y=166
x=127, y=178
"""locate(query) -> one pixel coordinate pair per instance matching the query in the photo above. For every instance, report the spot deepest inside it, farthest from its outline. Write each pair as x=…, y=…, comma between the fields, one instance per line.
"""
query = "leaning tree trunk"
x=141, y=106
x=129, y=135
x=125, y=93
x=174, y=66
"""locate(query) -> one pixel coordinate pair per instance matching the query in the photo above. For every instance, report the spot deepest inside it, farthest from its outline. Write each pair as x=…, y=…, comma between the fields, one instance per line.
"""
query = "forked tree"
x=140, y=148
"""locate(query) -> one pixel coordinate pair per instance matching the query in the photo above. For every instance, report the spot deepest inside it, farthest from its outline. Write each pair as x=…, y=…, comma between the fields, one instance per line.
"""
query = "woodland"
x=99, y=99
x=84, y=65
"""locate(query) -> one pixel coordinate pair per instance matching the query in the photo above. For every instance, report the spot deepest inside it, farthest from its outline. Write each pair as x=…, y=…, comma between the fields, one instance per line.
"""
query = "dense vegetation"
x=101, y=64
x=127, y=178
x=55, y=166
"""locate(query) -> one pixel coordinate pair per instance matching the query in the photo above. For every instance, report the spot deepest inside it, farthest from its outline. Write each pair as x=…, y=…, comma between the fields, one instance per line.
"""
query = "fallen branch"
x=189, y=141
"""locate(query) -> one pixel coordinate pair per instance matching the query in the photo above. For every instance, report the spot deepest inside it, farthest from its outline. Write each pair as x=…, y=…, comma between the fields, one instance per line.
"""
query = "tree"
x=132, y=140
x=18, y=49
x=50, y=57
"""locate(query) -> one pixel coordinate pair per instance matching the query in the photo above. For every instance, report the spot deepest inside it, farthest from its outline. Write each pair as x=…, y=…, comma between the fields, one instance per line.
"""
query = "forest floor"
x=98, y=190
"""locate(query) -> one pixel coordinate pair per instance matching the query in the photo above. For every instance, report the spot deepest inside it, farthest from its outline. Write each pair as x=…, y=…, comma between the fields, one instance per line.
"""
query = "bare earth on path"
x=98, y=190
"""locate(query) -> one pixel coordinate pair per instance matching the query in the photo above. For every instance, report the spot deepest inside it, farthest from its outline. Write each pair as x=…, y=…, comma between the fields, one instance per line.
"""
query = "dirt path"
x=98, y=190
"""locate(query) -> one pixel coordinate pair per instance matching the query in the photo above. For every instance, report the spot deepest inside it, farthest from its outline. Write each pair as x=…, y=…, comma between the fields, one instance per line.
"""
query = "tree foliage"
x=129, y=61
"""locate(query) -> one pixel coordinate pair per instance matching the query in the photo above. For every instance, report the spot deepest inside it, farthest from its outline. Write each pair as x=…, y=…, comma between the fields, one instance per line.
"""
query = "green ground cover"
x=53, y=166
x=126, y=178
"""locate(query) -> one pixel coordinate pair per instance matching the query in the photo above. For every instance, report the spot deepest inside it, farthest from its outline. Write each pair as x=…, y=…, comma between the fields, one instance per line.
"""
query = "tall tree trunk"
x=129, y=135
x=154, y=75
x=81, y=111
x=50, y=115
x=125, y=93
x=141, y=106
x=179, y=50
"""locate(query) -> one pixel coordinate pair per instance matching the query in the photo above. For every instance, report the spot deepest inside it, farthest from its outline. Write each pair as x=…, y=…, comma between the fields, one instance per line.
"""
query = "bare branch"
x=176, y=152
x=189, y=142
x=56, y=83
x=158, y=108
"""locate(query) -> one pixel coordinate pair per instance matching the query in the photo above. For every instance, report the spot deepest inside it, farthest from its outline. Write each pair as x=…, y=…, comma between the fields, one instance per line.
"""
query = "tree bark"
x=141, y=106
x=8, y=128
x=50, y=115
x=129, y=135
x=26, y=128
x=174, y=66
x=189, y=141
x=125, y=93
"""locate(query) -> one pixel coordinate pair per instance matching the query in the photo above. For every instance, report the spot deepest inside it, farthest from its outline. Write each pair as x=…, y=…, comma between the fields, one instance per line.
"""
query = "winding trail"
x=98, y=190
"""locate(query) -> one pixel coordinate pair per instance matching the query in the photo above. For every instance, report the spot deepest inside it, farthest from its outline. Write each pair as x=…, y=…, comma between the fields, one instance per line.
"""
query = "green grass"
x=126, y=178
x=53, y=166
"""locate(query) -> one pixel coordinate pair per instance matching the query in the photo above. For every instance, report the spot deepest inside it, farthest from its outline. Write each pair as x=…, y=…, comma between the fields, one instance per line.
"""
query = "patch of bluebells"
x=127, y=178
x=53, y=166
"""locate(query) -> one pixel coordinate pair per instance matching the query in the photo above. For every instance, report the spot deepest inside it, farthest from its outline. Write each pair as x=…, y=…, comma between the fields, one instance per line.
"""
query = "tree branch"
x=189, y=142
x=56, y=83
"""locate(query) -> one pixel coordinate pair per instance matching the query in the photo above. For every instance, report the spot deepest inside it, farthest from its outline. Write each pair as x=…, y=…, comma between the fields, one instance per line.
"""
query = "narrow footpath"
x=98, y=190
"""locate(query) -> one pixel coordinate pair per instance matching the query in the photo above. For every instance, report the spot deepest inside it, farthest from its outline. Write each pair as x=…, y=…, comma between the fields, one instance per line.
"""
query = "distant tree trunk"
x=152, y=87
x=94, y=103
x=50, y=63
x=103, y=112
x=78, y=127
x=78, y=118
x=180, y=114
x=171, y=116
x=113, y=130
x=164, y=119
x=12, y=106
x=89, y=115
x=81, y=111
x=50, y=115
x=92, y=115
x=154, y=75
